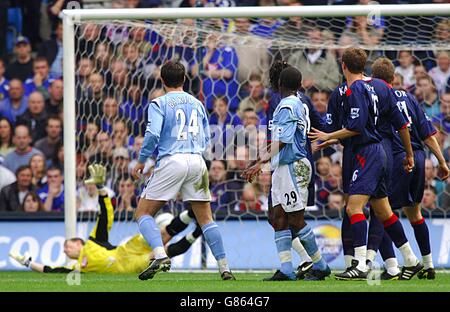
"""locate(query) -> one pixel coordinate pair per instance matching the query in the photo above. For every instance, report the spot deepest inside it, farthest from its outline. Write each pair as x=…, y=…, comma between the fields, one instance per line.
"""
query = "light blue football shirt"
x=290, y=127
x=177, y=123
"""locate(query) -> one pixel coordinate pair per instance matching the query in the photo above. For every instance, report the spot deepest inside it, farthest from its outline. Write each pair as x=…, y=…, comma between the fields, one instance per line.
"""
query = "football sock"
x=308, y=240
x=359, y=232
x=298, y=247
x=178, y=224
x=178, y=248
x=395, y=230
x=427, y=261
x=348, y=261
x=370, y=255
x=375, y=233
x=186, y=216
x=422, y=236
x=214, y=240
x=347, y=238
x=283, y=241
x=151, y=232
x=392, y=266
x=386, y=248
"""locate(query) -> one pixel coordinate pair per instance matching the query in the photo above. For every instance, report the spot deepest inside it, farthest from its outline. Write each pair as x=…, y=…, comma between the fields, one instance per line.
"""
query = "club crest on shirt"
x=354, y=113
x=328, y=119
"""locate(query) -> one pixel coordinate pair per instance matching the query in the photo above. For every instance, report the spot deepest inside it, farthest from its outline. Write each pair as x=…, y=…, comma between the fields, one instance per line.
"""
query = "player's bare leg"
x=358, y=225
x=203, y=214
x=145, y=212
x=394, y=228
x=414, y=214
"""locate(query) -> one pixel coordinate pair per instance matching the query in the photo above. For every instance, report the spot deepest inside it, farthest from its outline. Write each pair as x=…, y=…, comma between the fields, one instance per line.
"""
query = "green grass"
x=187, y=282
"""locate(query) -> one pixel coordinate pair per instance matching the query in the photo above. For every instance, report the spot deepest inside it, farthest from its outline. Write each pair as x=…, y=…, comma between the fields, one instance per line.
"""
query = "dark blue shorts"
x=407, y=187
x=387, y=145
x=347, y=169
x=369, y=175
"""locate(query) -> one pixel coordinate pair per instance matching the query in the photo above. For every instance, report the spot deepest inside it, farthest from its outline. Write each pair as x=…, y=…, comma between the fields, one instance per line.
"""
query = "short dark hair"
x=22, y=168
x=173, y=74
x=274, y=73
x=383, y=68
x=53, y=168
x=53, y=117
x=39, y=59
x=290, y=79
x=355, y=60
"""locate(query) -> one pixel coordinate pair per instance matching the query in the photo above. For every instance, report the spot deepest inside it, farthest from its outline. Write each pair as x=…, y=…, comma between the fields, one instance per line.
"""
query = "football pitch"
x=205, y=282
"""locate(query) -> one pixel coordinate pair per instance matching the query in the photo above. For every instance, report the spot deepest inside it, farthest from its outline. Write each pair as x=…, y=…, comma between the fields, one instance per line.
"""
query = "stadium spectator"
x=89, y=34
x=119, y=166
x=427, y=96
x=221, y=116
x=429, y=198
x=360, y=32
x=55, y=8
x=319, y=68
x=419, y=72
x=22, y=67
x=35, y=117
x=6, y=137
x=320, y=101
x=54, y=103
x=32, y=203
x=255, y=99
x=249, y=200
x=220, y=64
x=446, y=198
x=86, y=141
x=133, y=60
x=431, y=178
x=39, y=169
x=442, y=33
x=443, y=118
x=52, y=50
x=4, y=83
x=89, y=104
x=52, y=193
x=134, y=107
x=398, y=82
x=110, y=114
x=12, y=196
x=6, y=177
x=120, y=135
x=138, y=35
x=16, y=104
x=323, y=171
x=149, y=164
x=41, y=79
x=336, y=201
x=102, y=59
x=441, y=73
x=217, y=183
x=120, y=78
x=126, y=194
x=263, y=188
x=48, y=144
x=87, y=198
x=234, y=182
x=103, y=152
x=23, y=152
x=406, y=68
x=251, y=52
x=57, y=160
x=84, y=70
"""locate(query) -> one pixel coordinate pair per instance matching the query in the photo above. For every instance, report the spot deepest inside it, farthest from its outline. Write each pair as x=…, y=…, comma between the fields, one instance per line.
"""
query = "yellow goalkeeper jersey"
x=99, y=256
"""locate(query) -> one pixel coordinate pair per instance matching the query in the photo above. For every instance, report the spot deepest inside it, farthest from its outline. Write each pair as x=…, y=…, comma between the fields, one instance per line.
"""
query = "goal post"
x=138, y=17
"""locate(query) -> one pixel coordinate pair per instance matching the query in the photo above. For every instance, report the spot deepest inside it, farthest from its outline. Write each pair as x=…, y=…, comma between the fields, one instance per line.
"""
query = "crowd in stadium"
x=117, y=70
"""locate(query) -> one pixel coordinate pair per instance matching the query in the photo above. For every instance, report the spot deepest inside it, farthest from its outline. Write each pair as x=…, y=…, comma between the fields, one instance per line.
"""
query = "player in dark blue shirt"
x=369, y=177
x=408, y=194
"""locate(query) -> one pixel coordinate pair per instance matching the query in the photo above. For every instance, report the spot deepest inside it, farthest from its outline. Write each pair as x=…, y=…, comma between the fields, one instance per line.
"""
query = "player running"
x=369, y=167
x=178, y=125
x=408, y=194
x=97, y=254
x=290, y=179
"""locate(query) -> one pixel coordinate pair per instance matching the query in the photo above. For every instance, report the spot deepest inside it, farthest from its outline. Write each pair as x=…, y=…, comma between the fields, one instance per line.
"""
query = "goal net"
x=117, y=74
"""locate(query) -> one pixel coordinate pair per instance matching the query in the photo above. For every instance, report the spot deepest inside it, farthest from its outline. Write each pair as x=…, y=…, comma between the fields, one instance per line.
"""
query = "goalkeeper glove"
x=24, y=259
x=98, y=175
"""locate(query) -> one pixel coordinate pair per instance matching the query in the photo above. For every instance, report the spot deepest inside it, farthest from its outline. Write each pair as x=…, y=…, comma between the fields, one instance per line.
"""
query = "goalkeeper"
x=97, y=254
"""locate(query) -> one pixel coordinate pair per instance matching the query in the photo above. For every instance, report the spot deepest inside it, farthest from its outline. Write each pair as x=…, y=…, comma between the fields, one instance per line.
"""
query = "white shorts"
x=185, y=173
x=290, y=185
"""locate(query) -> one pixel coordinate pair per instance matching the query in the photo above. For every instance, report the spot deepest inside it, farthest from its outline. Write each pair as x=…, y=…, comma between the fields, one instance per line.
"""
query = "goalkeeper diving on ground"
x=98, y=255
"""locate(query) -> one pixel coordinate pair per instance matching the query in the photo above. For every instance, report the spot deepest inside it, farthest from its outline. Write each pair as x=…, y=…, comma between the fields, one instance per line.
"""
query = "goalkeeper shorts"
x=185, y=173
x=290, y=185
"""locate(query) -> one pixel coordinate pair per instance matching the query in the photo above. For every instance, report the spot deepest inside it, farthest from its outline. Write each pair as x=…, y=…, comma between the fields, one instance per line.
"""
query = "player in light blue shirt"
x=178, y=127
x=290, y=178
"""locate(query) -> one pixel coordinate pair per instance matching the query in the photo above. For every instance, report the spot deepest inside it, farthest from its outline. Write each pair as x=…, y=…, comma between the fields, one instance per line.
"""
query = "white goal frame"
x=78, y=15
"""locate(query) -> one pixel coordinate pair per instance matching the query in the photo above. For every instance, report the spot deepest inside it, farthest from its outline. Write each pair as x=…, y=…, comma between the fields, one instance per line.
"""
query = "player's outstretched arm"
x=254, y=169
x=317, y=135
x=27, y=261
x=433, y=145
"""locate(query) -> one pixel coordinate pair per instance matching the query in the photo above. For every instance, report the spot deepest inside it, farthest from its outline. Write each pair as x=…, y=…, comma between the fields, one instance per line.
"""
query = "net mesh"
x=227, y=62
